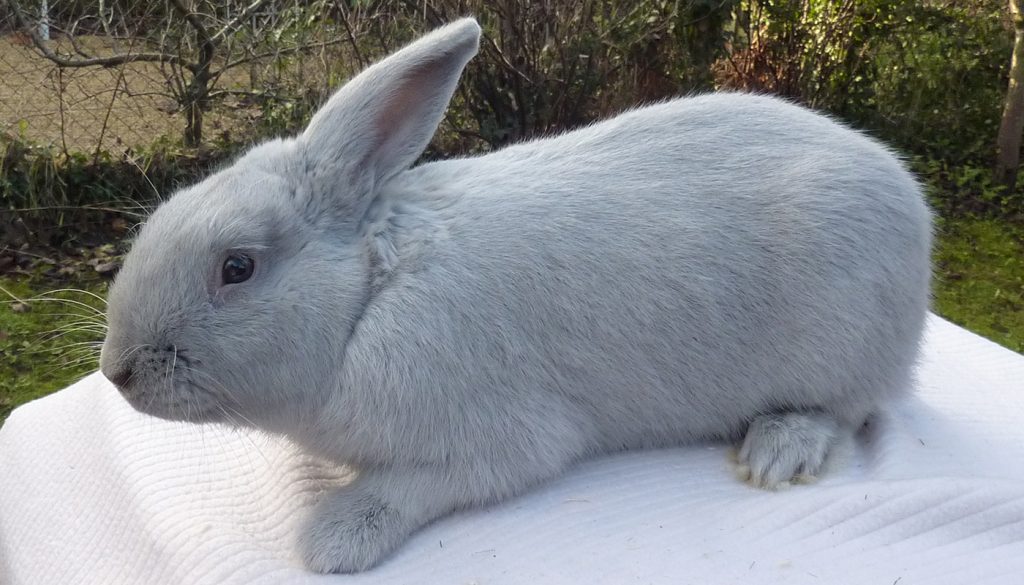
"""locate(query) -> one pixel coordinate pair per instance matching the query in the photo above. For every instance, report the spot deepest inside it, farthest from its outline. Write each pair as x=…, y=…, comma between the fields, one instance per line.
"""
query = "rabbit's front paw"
x=780, y=448
x=350, y=532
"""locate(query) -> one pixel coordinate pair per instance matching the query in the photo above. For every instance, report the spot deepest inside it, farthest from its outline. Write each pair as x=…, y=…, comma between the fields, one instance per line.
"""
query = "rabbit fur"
x=705, y=268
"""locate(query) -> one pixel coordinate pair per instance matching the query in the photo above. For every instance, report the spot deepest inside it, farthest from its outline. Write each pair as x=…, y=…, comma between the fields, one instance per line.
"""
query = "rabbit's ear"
x=379, y=123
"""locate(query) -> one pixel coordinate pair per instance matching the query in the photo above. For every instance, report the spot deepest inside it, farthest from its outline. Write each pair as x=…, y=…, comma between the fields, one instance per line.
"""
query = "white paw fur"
x=349, y=531
x=780, y=449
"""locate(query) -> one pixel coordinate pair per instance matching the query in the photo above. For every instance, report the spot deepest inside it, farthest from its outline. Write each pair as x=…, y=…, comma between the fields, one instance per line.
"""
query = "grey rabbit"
x=720, y=267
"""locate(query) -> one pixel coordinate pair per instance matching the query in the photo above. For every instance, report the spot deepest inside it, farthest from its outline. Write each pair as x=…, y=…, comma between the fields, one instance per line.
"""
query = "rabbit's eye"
x=237, y=268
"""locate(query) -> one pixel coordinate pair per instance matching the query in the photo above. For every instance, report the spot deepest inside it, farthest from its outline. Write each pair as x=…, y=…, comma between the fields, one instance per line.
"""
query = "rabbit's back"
x=661, y=276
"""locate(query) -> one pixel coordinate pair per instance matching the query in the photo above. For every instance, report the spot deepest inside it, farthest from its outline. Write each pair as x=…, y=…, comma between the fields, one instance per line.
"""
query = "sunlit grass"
x=979, y=268
x=48, y=338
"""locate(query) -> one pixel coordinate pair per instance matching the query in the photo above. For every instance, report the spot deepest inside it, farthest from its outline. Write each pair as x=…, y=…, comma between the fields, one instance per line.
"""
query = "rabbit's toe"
x=348, y=533
x=784, y=448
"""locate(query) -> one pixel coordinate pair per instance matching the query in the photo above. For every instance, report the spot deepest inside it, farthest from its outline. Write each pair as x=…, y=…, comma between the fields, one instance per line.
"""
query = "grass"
x=979, y=268
x=41, y=348
x=979, y=285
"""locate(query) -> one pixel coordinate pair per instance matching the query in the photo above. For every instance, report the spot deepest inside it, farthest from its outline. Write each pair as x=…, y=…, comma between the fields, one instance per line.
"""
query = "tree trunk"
x=1012, y=125
x=198, y=96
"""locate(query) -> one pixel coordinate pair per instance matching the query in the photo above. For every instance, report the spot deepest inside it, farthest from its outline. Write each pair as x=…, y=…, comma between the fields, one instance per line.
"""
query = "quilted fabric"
x=930, y=492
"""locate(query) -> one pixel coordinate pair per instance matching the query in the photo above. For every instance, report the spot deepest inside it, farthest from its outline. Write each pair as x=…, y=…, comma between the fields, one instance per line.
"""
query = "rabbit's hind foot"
x=784, y=448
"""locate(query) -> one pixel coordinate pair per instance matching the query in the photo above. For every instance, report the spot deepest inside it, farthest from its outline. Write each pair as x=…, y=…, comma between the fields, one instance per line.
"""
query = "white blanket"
x=930, y=493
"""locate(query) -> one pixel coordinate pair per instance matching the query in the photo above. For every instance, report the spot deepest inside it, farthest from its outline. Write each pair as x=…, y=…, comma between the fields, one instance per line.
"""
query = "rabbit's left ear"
x=379, y=123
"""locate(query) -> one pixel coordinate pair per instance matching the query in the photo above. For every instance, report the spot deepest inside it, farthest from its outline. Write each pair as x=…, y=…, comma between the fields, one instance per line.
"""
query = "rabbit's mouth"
x=178, y=400
x=168, y=383
x=181, y=395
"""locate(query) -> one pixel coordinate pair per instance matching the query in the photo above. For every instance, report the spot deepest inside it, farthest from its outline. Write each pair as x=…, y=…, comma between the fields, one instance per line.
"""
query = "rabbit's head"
x=240, y=293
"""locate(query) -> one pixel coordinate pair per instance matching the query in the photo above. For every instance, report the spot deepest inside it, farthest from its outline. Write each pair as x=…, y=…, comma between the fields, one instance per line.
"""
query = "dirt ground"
x=85, y=108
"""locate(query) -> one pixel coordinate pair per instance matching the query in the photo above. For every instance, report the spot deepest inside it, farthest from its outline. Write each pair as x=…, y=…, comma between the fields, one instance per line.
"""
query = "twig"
x=352, y=40
x=106, y=117
x=193, y=19
x=60, y=105
x=241, y=92
x=257, y=57
x=237, y=21
x=110, y=61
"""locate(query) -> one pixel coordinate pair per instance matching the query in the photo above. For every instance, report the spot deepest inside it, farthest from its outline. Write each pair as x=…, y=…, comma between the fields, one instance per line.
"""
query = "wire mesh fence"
x=80, y=109
x=109, y=77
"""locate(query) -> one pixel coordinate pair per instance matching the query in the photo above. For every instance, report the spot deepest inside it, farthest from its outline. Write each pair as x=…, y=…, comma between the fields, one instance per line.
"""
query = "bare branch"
x=237, y=21
x=77, y=48
x=493, y=46
x=106, y=116
x=242, y=93
x=193, y=19
x=352, y=38
x=111, y=61
x=257, y=57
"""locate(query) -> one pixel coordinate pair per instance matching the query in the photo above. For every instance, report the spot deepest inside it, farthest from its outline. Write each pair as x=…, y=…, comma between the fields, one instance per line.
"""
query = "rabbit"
x=726, y=267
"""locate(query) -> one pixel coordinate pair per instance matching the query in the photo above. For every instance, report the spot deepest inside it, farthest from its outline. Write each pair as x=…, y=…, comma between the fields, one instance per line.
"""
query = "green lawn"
x=979, y=267
x=979, y=271
x=45, y=341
